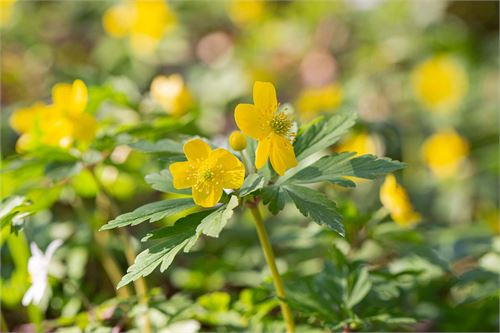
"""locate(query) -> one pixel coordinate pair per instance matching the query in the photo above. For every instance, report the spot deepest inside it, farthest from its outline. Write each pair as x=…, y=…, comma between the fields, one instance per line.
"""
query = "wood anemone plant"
x=201, y=173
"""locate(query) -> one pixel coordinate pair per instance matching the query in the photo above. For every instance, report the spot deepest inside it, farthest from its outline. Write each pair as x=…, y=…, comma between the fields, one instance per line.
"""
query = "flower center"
x=280, y=124
x=207, y=174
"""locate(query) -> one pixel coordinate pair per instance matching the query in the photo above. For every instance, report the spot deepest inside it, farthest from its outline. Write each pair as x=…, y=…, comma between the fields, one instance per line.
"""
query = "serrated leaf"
x=164, y=182
x=275, y=197
x=153, y=212
x=322, y=134
x=163, y=252
x=251, y=184
x=317, y=206
x=334, y=168
x=213, y=224
x=163, y=146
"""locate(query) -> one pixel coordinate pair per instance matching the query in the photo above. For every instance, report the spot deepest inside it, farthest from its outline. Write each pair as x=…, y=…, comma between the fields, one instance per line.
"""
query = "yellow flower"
x=246, y=11
x=395, y=199
x=207, y=172
x=444, y=151
x=171, y=94
x=272, y=128
x=6, y=7
x=145, y=22
x=440, y=83
x=312, y=101
x=237, y=141
x=58, y=124
x=361, y=143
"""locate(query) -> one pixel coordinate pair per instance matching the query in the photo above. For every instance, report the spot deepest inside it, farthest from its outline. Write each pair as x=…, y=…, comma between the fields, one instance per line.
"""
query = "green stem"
x=269, y=255
x=140, y=284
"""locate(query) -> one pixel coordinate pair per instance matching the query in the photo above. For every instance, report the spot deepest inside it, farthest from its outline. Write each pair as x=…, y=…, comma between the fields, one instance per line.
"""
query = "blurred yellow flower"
x=171, y=94
x=6, y=7
x=361, y=143
x=272, y=128
x=243, y=12
x=144, y=22
x=207, y=172
x=58, y=124
x=312, y=101
x=440, y=83
x=444, y=151
x=395, y=199
x=237, y=141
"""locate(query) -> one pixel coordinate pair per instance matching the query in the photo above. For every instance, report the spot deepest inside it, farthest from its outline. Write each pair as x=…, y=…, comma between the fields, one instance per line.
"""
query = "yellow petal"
x=25, y=142
x=23, y=120
x=264, y=96
x=85, y=127
x=252, y=121
x=79, y=97
x=196, y=149
x=61, y=95
x=282, y=155
x=262, y=152
x=233, y=171
x=182, y=173
x=117, y=20
x=207, y=194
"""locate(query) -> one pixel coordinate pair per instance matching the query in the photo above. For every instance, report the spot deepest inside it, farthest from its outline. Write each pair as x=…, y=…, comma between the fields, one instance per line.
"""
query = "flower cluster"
x=59, y=124
x=143, y=22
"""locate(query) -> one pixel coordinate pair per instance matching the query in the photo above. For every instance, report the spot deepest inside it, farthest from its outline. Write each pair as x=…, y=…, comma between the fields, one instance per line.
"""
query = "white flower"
x=38, y=268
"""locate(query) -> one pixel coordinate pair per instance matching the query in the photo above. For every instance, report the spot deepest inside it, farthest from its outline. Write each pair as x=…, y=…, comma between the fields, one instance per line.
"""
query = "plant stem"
x=140, y=284
x=269, y=255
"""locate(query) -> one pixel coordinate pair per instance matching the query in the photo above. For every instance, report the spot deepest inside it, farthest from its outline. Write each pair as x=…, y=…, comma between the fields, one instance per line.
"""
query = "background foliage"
x=383, y=59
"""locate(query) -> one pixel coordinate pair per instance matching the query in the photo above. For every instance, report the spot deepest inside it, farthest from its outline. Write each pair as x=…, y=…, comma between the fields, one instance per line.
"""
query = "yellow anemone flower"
x=395, y=199
x=312, y=101
x=444, y=151
x=171, y=94
x=263, y=121
x=440, y=83
x=207, y=172
x=58, y=124
x=145, y=22
x=6, y=7
x=361, y=143
x=247, y=11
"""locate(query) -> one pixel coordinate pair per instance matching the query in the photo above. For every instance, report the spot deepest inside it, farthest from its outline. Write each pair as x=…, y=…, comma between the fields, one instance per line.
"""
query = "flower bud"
x=237, y=141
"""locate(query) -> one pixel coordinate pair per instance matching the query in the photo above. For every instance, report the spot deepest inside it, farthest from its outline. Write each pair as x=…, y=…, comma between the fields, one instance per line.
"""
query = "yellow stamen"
x=280, y=124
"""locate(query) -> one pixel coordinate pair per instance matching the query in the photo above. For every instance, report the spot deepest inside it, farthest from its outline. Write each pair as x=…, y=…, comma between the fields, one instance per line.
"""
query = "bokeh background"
x=422, y=75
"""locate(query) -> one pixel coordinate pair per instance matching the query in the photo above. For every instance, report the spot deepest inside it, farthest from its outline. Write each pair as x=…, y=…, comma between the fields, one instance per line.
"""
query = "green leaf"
x=251, y=184
x=213, y=224
x=12, y=209
x=58, y=170
x=164, y=182
x=153, y=212
x=360, y=289
x=163, y=253
x=163, y=146
x=322, y=133
x=275, y=197
x=317, y=206
x=182, y=235
x=334, y=168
